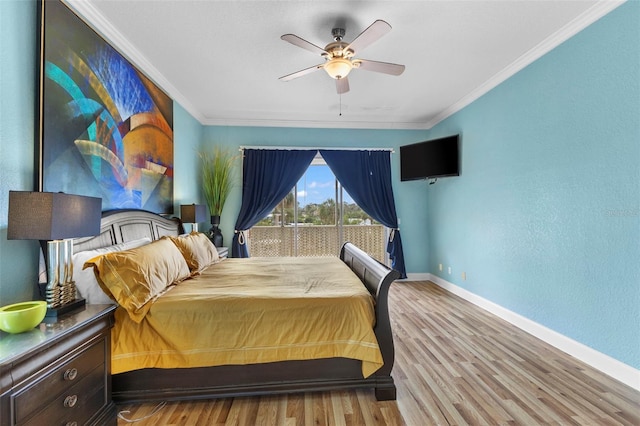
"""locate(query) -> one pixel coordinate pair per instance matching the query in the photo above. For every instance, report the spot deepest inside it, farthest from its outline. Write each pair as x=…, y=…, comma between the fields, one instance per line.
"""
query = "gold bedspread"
x=245, y=311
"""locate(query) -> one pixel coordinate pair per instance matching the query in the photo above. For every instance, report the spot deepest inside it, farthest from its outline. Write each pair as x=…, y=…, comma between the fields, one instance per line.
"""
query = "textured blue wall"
x=410, y=196
x=17, y=124
x=187, y=138
x=545, y=218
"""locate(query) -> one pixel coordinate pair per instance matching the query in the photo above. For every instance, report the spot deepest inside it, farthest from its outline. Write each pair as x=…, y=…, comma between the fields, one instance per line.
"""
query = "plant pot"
x=215, y=235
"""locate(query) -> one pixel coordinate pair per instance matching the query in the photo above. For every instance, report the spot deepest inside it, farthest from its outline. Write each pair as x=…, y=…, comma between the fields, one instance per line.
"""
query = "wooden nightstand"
x=59, y=373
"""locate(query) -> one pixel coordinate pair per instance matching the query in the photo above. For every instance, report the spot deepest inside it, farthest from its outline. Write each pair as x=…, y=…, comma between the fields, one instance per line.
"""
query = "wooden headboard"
x=119, y=226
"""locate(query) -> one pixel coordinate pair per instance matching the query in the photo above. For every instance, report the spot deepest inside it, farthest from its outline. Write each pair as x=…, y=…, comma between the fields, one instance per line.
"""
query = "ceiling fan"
x=339, y=55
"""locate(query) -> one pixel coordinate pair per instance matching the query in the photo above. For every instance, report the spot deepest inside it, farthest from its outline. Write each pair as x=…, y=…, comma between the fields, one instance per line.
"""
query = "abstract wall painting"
x=105, y=129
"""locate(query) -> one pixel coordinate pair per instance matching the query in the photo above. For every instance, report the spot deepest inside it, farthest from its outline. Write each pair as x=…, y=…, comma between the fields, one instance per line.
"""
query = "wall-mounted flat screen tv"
x=430, y=159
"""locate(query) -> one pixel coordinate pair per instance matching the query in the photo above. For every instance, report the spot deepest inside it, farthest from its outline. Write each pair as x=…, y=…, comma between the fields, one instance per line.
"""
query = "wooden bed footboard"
x=253, y=379
x=377, y=278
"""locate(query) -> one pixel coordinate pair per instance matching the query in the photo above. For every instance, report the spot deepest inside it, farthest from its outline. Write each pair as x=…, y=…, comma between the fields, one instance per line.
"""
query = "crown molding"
x=585, y=19
x=92, y=17
x=320, y=124
x=103, y=27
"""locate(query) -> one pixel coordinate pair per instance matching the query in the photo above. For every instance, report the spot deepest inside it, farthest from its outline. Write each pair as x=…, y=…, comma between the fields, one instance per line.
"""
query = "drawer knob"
x=71, y=374
x=72, y=424
x=70, y=401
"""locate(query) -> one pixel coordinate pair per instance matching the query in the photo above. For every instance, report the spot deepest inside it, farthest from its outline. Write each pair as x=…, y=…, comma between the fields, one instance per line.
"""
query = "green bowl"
x=21, y=317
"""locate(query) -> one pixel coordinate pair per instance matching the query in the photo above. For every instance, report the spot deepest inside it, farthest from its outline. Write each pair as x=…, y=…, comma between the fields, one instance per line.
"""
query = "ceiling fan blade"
x=368, y=36
x=342, y=85
x=383, y=67
x=300, y=42
x=301, y=72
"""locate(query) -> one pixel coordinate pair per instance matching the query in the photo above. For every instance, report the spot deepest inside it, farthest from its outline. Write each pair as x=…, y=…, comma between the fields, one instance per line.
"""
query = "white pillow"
x=86, y=283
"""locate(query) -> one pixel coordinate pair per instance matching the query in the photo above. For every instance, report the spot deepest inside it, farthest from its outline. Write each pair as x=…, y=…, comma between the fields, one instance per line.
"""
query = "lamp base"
x=66, y=308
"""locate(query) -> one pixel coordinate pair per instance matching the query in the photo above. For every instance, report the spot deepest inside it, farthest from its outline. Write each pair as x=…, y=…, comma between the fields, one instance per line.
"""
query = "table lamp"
x=55, y=217
x=193, y=214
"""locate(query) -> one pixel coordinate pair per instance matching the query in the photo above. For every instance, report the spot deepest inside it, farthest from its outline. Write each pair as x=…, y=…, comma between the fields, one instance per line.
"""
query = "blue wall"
x=545, y=218
x=410, y=196
x=187, y=138
x=17, y=124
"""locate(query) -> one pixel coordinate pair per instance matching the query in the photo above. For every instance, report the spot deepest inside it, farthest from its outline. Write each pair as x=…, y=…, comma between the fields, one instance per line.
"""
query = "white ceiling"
x=221, y=60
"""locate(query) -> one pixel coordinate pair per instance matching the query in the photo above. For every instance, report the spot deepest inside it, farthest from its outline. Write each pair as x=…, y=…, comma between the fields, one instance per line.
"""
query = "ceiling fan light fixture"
x=338, y=68
x=339, y=56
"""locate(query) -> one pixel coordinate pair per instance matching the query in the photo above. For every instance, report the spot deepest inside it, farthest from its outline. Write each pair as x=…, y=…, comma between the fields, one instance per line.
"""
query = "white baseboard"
x=417, y=277
x=610, y=366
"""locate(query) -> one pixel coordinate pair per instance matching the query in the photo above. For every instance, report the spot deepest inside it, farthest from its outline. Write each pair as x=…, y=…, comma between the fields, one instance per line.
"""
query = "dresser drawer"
x=76, y=405
x=65, y=359
x=79, y=376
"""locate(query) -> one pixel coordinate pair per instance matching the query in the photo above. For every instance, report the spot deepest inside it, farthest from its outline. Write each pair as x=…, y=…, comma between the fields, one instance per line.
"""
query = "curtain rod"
x=306, y=148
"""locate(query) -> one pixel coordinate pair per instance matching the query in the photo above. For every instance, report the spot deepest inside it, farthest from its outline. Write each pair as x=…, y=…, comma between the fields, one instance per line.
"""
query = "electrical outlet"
x=464, y=276
x=449, y=270
x=440, y=267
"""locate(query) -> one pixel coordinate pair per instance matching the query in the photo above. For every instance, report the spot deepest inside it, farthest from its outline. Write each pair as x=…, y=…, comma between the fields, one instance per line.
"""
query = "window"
x=315, y=219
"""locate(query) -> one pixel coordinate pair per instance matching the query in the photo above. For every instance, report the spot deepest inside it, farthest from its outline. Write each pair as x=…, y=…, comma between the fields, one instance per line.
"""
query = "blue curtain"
x=268, y=175
x=366, y=175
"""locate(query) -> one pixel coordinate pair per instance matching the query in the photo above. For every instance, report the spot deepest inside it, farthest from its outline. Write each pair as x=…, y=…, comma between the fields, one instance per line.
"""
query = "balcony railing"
x=315, y=240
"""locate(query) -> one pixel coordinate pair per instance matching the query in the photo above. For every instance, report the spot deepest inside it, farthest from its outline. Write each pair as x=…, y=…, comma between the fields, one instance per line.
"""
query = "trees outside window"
x=315, y=219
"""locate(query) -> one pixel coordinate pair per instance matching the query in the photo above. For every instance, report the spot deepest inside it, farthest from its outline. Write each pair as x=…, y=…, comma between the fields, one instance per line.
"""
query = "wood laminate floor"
x=455, y=364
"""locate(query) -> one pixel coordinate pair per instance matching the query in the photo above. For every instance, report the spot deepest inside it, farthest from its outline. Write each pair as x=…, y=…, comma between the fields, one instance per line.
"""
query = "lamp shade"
x=338, y=68
x=193, y=213
x=52, y=216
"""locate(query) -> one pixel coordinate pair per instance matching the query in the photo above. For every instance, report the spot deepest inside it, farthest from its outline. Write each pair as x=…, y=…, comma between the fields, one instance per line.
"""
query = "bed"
x=368, y=361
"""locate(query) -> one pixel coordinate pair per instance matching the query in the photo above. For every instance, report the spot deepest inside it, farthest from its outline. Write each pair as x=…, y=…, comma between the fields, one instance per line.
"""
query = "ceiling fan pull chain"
x=340, y=105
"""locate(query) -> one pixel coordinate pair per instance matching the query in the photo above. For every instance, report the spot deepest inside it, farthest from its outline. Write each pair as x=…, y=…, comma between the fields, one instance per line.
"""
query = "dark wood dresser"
x=59, y=373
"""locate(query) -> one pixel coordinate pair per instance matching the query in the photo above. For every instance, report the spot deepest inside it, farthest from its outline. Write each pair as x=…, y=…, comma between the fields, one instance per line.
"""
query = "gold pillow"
x=197, y=249
x=136, y=277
